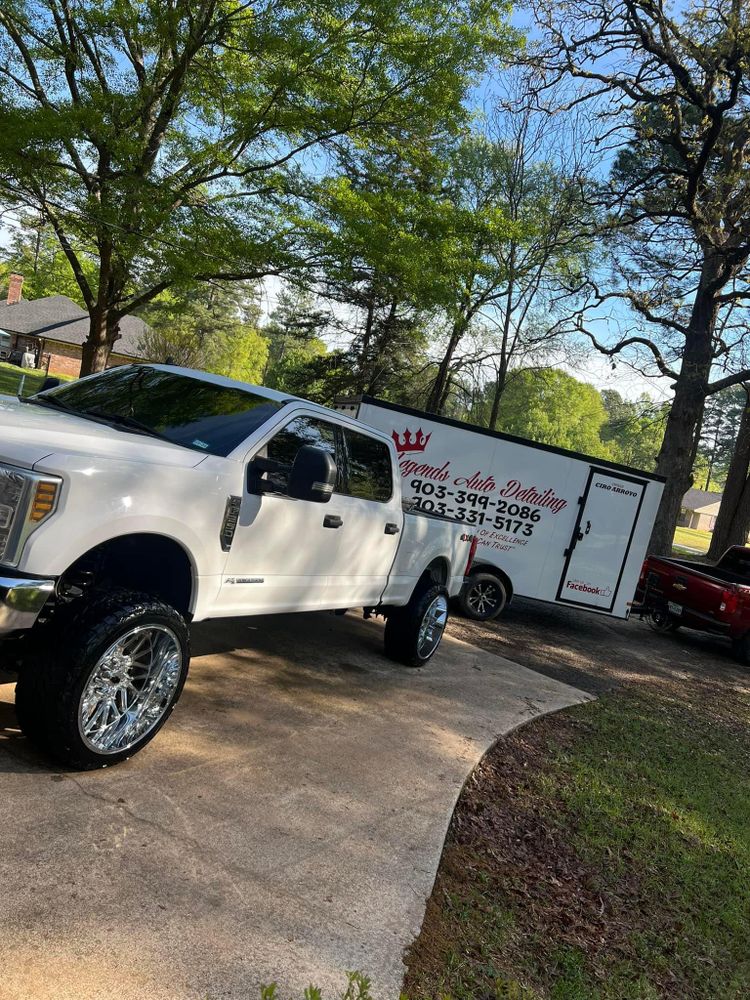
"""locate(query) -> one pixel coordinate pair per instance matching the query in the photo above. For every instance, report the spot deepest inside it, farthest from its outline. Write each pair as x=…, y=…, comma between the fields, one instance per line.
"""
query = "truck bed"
x=709, y=570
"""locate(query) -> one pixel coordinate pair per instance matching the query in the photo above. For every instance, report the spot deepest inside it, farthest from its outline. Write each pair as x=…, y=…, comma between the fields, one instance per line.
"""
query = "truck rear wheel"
x=482, y=597
x=413, y=633
x=103, y=679
x=660, y=620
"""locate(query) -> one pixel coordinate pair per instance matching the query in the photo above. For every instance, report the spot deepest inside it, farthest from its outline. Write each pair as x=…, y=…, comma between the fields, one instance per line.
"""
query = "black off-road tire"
x=483, y=597
x=59, y=663
x=402, y=627
x=661, y=621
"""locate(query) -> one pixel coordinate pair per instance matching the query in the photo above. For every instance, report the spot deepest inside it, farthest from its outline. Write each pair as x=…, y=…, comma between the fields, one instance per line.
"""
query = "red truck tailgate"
x=690, y=592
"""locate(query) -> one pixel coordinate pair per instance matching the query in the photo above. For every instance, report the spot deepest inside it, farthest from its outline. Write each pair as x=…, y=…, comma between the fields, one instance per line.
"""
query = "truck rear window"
x=188, y=411
x=737, y=561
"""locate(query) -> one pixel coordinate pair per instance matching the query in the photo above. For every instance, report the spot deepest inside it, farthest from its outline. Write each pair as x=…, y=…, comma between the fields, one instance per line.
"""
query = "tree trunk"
x=680, y=444
x=711, y=460
x=363, y=374
x=439, y=390
x=502, y=372
x=733, y=523
x=378, y=364
x=446, y=393
x=500, y=381
x=97, y=346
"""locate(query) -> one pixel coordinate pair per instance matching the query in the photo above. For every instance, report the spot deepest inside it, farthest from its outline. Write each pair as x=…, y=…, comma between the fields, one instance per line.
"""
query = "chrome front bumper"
x=21, y=600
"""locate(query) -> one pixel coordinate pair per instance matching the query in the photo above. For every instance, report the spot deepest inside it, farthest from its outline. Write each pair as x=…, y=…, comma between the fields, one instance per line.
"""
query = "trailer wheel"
x=660, y=620
x=413, y=633
x=103, y=679
x=482, y=597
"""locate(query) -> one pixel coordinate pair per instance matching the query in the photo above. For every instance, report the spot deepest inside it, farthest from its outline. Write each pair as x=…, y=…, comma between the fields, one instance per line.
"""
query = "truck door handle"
x=332, y=521
x=582, y=533
x=391, y=528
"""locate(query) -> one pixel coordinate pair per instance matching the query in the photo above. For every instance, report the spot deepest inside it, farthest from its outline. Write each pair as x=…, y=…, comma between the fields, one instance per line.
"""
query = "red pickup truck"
x=710, y=597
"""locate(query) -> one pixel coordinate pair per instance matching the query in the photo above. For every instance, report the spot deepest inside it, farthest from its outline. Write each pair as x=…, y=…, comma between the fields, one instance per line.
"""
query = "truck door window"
x=369, y=474
x=283, y=447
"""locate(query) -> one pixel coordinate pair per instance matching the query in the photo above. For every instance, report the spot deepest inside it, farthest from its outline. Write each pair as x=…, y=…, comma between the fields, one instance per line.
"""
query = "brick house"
x=56, y=327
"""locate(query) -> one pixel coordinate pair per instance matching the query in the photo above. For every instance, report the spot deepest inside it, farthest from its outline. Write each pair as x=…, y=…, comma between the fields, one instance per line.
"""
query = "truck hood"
x=29, y=434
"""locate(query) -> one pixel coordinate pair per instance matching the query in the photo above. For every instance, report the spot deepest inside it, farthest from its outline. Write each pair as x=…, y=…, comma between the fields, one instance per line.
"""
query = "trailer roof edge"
x=463, y=425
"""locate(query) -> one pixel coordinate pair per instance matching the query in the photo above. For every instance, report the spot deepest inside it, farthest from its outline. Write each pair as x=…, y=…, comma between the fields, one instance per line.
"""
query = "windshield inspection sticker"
x=200, y=444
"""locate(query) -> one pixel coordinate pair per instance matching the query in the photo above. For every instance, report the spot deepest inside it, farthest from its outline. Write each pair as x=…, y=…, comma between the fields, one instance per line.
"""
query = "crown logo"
x=409, y=441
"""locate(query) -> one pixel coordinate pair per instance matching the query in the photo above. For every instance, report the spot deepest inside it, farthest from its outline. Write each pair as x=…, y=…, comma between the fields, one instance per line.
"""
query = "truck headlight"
x=26, y=500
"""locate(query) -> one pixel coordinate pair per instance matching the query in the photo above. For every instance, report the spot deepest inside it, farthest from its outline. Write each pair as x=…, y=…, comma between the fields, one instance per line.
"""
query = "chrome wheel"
x=130, y=689
x=432, y=627
x=483, y=598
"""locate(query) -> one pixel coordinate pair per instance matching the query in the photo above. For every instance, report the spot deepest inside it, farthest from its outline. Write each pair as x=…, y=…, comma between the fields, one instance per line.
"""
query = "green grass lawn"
x=691, y=538
x=624, y=873
x=10, y=380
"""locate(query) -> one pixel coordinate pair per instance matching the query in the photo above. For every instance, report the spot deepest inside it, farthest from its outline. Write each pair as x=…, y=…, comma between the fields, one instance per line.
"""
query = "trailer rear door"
x=598, y=549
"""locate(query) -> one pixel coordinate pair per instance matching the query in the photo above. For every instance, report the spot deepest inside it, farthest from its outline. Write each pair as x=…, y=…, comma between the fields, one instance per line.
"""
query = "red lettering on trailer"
x=438, y=473
x=533, y=495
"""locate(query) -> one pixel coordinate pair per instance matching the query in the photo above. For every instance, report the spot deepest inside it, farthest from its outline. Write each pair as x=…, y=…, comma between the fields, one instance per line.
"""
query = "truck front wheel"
x=413, y=633
x=102, y=680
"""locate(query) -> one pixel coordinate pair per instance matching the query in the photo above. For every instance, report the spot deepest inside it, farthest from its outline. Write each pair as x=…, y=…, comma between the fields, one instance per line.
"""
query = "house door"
x=598, y=549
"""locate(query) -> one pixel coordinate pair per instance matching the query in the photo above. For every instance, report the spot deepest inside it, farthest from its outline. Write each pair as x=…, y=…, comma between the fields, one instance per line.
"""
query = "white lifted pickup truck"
x=138, y=500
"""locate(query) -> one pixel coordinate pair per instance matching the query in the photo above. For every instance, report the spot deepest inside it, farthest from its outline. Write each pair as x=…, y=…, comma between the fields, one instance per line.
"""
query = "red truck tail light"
x=472, y=550
x=730, y=600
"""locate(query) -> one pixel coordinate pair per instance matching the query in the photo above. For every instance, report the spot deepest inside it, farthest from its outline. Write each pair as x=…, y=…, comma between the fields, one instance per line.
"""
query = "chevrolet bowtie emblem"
x=679, y=586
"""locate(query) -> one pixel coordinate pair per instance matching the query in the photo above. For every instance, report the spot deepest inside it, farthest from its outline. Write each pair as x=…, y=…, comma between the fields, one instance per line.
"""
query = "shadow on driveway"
x=285, y=825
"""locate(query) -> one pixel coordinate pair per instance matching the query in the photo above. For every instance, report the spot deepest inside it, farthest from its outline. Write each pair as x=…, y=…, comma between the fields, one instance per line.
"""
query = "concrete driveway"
x=286, y=825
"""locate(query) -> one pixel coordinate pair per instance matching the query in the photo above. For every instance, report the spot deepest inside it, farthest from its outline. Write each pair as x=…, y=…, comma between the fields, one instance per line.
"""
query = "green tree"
x=293, y=333
x=634, y=429
x=35, y=253
x=382, y=235
x=554, y=408
x=669, y=86
x=213, y=327
x=721, y=423
x=166, y=140
x=521, y=233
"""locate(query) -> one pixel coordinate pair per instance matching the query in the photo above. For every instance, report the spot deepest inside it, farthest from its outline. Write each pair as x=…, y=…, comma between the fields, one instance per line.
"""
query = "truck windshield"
x=187, y=411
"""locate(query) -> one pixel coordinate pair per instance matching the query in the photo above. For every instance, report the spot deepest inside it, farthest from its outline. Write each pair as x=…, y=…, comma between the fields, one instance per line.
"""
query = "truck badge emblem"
x=230, y=521
x=409, y=442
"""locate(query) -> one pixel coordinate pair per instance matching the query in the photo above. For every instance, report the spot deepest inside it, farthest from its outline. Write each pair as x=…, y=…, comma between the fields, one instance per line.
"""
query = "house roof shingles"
x=56, y=317
x=701, y=501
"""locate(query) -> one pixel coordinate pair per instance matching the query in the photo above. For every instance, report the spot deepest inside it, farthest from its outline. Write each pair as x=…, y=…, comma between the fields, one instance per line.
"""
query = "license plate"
x=674, y=609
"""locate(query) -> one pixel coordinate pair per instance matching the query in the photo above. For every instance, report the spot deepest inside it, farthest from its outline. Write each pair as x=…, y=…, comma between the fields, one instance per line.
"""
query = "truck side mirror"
x=50, y=383
x=313, y=475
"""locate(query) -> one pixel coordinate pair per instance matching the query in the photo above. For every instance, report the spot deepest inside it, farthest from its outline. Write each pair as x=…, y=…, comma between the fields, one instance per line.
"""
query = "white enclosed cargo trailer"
x=553, y=525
